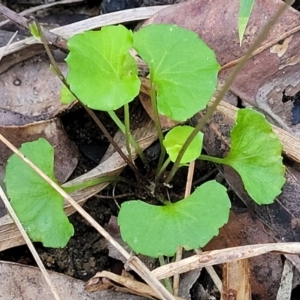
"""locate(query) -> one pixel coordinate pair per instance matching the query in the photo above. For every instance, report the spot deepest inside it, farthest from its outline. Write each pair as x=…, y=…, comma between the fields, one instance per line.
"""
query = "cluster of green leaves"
x=183, y=77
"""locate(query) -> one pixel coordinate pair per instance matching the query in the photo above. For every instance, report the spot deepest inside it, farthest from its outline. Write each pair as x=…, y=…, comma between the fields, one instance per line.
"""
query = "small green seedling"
x=183, y=78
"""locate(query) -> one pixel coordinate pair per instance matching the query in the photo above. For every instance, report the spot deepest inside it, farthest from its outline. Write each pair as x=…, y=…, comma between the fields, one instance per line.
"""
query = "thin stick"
x=216, y=257
x=153, y=97
x=50, y=36
x=9, y=42
x=262, y=48
x=134, y=263
x=29, y=244
x=212, y=273
x=67, y=31
x=188, y=188
x=41, y=7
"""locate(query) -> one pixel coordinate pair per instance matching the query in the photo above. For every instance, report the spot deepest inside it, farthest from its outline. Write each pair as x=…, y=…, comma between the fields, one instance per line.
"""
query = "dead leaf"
x=246, y=229
x=285, y=290
x=25, y=282
x=187, y=281
x=31, y=90
x=236, y=284
x=130, y=284
x=164, y=121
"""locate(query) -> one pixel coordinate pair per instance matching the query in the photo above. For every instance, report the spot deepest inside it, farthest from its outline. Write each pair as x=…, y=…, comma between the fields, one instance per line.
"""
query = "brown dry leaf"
x=31, y=91
x=246, y=229
x=286, y=285
x=124, y=283
x=269, y=74
x=236, y=280
x=29, y=101
x=165, y=122
x=24, y=282
x=187, y=282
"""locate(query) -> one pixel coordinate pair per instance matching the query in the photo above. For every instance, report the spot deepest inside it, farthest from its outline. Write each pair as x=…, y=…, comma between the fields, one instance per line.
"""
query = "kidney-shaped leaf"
x=102, y=73
x=175, y=139
x=191, y=223
x=38, y=206
x=256, y=155
x=182, y=66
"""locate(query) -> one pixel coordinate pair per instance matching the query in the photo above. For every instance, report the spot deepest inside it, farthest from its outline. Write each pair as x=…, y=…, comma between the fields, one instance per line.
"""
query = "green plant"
x=183, y=77
x=244, y=15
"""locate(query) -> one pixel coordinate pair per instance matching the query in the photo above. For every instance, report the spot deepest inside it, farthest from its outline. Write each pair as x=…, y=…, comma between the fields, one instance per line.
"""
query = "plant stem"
x=220, y=95
x=157, y=125
x=133, y=142
x=110, y=139
x=188, y=188
x=217, y=160
x=94, y=181
x=127, y=129
x=162, y=169
x=166, y=281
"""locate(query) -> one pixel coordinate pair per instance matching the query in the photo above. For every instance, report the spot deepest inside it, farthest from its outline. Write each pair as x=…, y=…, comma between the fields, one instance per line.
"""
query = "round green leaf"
x=182, y=66
x=256, y=155
x=102, y=73
x=192, y=222
x=38, y=206
x=175, y=139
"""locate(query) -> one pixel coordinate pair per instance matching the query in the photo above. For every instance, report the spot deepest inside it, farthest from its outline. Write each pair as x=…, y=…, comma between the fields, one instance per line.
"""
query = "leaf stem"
x=131, y=139
x=166, y=281
x=157, y=125
x=94, y=181
x=220, y=94
x=162, y=169
x=213, y=159
x=127, y=129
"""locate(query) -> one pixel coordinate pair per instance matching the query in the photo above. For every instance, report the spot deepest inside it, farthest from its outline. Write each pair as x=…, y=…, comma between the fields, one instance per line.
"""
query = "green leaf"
x=33, y=28
x=102, y=73
x=66, y=96
x=38, y=206
x=182, y=66
x=244, y=15
x=256, y=155
x=175, y=139
x=192, y=222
